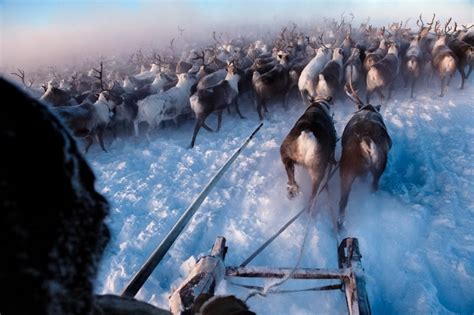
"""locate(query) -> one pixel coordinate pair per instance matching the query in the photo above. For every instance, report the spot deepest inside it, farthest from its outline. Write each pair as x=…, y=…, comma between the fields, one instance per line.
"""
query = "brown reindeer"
x=365, y=147
x=273, y=82
x=383, y=73
x=310, y=143
x=464, y=52
x=444, y=60
x=413, y=63
x=215, y=99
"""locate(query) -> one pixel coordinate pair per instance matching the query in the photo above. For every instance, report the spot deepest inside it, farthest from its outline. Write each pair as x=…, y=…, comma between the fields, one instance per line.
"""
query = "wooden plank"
x=356, y=295
x=202, y=281
x=300, y=273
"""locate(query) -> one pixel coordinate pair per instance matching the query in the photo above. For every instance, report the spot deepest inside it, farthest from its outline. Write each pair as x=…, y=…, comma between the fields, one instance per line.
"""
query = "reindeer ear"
x=378, y=107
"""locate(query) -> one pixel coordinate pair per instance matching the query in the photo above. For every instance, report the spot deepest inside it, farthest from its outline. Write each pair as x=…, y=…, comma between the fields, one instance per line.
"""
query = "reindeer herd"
x=141, y=94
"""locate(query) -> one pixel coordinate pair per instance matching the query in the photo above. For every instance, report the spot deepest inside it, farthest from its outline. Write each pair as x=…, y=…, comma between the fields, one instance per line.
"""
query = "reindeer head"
x=52, y=84
x=283, y=57
x=231, y=67
x=393, y=48
x=337, y=54
x=322, y=102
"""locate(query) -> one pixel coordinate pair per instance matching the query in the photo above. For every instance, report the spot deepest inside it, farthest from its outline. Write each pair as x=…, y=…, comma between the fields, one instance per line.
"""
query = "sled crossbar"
x=210, y=270
x=301, y=273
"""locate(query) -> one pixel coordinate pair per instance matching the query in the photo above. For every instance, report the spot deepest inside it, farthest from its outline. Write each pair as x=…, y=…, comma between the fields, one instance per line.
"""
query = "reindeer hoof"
x=292, y=190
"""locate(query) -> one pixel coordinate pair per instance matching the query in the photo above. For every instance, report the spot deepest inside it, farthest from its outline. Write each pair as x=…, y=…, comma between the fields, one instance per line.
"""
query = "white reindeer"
x=167, y=105
x=309, y=75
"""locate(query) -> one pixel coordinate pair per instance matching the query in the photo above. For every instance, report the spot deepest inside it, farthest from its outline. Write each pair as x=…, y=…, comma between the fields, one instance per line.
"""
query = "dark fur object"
x=51, y=225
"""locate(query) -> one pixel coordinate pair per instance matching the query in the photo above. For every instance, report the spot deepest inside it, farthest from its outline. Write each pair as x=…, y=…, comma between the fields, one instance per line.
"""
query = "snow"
x=416, y=233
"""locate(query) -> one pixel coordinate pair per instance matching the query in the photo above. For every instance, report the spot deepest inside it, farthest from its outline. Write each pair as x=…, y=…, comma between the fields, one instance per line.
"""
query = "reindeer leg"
x=316, y=181
x=443, y=85
x=100, y=138
x=176, y=121
x=390, y=90
x=347, y=179
x=135, y=126
x=89, y=142
x=264, y=102
x=449, y=79
x=219, y=120
x=379, y=92
x=303, y=98
x=259, y=108
x=377, y=171
x=369, y=94
x=207, y=127
x=285, y=100
x=412, y=87
x=406, y=78
x=463, y=76
x=469, y=72
x=292, y=187
x=199, y=124
x=236, y=102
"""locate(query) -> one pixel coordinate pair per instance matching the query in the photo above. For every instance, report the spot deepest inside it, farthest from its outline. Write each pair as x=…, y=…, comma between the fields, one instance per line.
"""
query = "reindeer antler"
x=21, y=75
x=431, y=23
x=321, y=40
x=447, y=29
x=100, y=75
x=352, y=94
x=200, y=56
x=466, y=28
x=156, y=59
x=217, y=40
x=171, y=45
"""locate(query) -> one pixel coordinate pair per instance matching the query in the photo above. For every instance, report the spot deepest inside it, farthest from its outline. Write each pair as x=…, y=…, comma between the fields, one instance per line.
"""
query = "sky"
x=36, y=32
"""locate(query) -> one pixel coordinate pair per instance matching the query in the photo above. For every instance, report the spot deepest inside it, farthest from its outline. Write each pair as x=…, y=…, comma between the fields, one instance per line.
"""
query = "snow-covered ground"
x=416, y=233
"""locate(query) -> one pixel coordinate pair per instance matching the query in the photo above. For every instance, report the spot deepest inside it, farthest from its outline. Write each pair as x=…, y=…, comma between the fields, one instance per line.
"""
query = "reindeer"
x=365, y=147
x=444, y=60
x=310, y=143
x=413, y=63
x=271, y=83
x=376, y=55
x=125, y=114
x=383, y=73
x=214, y=100
x=167, y=105
x=211, y=79
x=331, y=76
x=464, y=52
x=89, y=120
x=56, y=96
x=309, y=76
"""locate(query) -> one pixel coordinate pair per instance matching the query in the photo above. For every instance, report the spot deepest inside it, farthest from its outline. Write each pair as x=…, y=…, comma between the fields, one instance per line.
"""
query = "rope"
x=287, y=224
x=287, y=277
x=268, y=289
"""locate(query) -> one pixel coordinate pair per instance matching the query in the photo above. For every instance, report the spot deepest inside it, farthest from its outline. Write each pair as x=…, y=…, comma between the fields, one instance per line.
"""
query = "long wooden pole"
x=145, y=271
